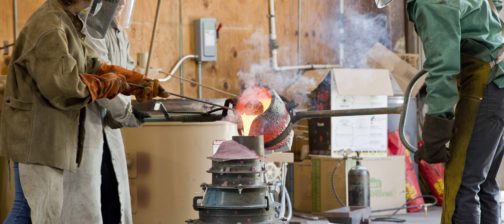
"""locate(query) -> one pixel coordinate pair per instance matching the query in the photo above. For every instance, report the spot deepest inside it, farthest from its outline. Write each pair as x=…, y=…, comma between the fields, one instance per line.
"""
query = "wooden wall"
x=242, y=20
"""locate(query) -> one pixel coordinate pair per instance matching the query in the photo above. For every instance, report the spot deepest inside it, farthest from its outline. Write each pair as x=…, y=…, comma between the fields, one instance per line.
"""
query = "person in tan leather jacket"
x=52, y=78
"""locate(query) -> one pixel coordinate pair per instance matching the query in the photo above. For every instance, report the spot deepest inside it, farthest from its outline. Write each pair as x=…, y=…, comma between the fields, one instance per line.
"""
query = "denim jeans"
x=478, y=197
x=20, y=212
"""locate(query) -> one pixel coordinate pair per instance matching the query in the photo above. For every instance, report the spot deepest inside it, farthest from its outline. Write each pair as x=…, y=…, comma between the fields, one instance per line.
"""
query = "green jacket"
x=44, y=98
x=449, y=29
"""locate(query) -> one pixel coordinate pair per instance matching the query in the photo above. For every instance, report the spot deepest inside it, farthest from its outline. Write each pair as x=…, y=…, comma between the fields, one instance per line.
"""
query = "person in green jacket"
x=463, y=43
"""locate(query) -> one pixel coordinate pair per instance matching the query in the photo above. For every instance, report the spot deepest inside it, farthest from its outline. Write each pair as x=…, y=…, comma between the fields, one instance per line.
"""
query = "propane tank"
x=358, y=185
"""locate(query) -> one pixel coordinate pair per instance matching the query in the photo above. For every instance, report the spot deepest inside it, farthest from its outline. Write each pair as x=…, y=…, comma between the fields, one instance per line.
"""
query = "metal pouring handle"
x=404, y=115
x=403, y=110
x=298, y=116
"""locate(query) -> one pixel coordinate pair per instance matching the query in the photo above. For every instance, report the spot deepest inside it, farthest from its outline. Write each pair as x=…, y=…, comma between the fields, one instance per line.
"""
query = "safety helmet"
x=100, y=16
x=124, y=13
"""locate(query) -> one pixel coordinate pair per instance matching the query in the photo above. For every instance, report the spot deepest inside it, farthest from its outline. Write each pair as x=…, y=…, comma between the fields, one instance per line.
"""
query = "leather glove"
x=104, y=86
x=147, y=90
x=131, y=76
x=436, y=133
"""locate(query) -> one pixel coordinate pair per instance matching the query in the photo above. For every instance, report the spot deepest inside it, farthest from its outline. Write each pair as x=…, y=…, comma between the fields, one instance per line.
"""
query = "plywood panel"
x=385, y=25
x=320, y=36
x=166, y=46
x=25, y=9
x=244, y=36
x=243, y=40
x=398, y=25
x=287, y=31
x=6, y=20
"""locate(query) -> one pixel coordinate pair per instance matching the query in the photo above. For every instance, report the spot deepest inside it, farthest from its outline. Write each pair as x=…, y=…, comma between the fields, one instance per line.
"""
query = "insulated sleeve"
x=438, y=25
x=56, y=72
x=119, y=112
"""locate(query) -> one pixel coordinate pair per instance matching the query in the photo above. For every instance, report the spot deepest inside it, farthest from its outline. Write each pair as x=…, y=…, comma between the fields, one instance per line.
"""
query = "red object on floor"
x=413, y=192
x=433, y=175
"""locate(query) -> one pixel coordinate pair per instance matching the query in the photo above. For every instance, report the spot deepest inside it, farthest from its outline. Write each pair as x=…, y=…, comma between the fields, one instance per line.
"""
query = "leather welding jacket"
x=82, y=195
x=449, y=28
x=45, y=100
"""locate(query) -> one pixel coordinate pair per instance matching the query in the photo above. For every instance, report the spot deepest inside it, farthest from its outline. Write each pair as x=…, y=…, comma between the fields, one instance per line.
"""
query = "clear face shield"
x=100, y=17
x=382, y=3
x=124, y=13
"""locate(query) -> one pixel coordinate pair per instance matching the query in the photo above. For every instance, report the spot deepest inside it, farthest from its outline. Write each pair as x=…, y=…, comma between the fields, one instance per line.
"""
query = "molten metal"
x=263, y=112
x=253, y=102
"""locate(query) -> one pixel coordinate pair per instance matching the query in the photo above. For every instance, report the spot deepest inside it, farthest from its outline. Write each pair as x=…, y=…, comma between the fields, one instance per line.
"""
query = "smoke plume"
x=360, y=33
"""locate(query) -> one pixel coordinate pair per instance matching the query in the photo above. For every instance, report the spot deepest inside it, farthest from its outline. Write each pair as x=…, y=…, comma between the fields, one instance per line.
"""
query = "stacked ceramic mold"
x=238, y=193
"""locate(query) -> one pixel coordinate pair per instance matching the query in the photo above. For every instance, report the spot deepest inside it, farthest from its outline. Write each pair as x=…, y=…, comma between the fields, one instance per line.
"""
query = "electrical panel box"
x=206, y=39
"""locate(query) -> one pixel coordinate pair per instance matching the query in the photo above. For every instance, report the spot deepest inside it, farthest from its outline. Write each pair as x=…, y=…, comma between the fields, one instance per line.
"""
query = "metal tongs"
x=189, y=98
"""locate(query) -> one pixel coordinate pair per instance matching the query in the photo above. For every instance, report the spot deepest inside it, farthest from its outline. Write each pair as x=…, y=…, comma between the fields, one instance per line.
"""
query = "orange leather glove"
x=131, y=76
x=147, y=90
x=104, y=86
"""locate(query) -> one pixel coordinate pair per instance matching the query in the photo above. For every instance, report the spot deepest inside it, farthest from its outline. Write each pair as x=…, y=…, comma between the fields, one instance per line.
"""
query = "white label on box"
x=358, y=133
x=387, y=191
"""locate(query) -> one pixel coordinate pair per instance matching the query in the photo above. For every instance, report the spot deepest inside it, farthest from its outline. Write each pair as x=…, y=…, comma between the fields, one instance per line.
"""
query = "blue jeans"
x=20, y=212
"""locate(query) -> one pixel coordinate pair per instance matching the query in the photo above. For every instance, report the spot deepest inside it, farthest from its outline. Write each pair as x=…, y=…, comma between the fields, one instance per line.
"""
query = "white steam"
x=361, y=33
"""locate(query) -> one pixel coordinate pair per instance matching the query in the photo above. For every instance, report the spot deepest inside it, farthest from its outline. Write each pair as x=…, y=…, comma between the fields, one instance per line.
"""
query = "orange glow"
x=247, y=122
x=253, y=102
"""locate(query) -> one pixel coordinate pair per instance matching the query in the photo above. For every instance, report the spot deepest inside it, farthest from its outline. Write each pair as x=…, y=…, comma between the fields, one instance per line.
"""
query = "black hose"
x=334, y=188
x=405, y=205
x=389, y=218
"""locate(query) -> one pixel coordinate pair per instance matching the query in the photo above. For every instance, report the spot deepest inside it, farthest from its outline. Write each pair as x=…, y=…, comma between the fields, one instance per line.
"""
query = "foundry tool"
x=187, y=98
x=403, y=110
x=274, y=119
x=265, y=113
x=201, y=101
x=238, y=192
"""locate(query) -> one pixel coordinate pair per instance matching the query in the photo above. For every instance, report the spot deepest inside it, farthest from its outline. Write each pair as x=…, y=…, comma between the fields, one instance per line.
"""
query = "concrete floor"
x=433, y=217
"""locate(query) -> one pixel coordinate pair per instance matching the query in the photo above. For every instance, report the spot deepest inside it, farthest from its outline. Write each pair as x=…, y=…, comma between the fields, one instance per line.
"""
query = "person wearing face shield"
x=98, y=192
x=464, y=47
x=53, y=77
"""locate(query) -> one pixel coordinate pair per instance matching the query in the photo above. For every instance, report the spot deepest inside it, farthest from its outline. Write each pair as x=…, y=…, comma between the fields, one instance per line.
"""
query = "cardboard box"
x=345, y=89
x=302, y=186
x=387, y=191
x=323, y=198
x=402, y=72
x=388, y=182
x=411, y=59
